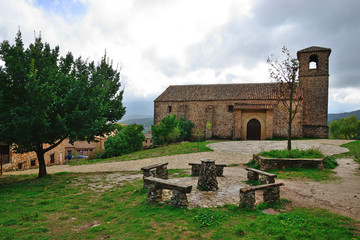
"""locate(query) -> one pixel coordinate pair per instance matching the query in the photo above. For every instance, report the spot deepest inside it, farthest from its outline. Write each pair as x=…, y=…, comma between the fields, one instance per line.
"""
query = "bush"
x=345, y=128
x=171, y=129
x=126, y=140
x=95, y=154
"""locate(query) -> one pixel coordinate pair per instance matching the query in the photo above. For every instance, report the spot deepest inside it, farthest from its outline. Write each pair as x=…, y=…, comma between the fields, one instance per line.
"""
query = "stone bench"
x=271, y=194
x=266, y=178
x=156, y=170
x=195, y=169
x=156, y=185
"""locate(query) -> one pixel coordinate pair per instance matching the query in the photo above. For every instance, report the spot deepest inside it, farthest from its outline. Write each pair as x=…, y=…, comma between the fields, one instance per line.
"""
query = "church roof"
x=314, y=49
x=211, y=92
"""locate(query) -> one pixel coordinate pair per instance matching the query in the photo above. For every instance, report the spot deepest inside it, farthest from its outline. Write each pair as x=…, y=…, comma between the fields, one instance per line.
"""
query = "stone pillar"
x=247, y=199
x=162, y=172
x=207, y=178
x=252, y=176
x=154, y=195
x=178, y=199
x=272, y=195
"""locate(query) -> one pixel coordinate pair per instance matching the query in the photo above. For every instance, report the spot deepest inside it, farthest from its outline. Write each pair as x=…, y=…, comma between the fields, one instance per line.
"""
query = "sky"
x=157, y=43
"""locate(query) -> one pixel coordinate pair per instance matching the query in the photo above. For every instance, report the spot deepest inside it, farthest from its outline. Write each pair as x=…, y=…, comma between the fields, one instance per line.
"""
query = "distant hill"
x=138, y=110
x=147, y=122
x=337, y=116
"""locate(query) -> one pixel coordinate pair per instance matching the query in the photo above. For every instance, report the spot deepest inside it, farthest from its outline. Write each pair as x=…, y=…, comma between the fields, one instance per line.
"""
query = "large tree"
x=286, y=73
x=46, y=98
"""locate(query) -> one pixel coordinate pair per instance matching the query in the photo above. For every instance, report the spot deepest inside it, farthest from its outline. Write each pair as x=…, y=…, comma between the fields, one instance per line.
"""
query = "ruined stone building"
x=252, y=111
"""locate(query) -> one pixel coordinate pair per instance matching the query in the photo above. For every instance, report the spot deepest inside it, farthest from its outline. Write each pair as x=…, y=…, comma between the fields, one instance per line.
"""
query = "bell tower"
x=314, y=77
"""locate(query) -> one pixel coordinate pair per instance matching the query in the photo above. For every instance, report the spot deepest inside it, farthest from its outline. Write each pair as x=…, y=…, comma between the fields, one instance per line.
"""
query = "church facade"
x=253, y=111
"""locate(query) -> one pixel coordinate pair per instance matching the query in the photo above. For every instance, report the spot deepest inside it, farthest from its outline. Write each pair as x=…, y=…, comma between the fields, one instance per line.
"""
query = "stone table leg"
x=207, y=179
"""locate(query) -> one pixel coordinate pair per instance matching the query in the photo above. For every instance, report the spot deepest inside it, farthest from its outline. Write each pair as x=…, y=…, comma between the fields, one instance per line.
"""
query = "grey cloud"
x=333, y=24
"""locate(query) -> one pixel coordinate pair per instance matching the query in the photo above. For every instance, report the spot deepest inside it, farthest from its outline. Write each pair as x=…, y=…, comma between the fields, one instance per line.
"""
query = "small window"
x=52, y=158
x=313, y=62
x=69, y=152
x=170, y=109
x=33, y=163
x=230, y=108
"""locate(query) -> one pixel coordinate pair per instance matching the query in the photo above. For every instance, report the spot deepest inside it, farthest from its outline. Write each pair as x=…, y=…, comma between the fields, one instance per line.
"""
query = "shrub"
x=171, y=129
x=95, y=154
x=126, y=140
x=345, y=128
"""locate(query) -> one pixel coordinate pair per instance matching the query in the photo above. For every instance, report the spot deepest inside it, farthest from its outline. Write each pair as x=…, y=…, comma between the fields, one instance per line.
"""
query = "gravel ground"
x=230, y=152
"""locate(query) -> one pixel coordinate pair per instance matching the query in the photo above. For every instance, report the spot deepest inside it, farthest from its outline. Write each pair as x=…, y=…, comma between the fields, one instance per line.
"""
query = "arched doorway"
x=253, y=131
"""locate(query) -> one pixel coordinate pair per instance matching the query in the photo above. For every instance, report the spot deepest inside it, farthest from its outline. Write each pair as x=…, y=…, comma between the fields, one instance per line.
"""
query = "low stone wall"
x=267, y=163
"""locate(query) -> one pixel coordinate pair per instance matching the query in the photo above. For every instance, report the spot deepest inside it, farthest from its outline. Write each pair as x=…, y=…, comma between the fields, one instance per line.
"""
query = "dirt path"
x=341, y=197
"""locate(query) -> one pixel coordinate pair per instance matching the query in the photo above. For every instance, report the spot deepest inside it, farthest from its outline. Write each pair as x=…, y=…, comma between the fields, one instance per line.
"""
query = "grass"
x=294, y=153
x=354, y=150
x=172, y=149
x=313, y=174
x=63, y=206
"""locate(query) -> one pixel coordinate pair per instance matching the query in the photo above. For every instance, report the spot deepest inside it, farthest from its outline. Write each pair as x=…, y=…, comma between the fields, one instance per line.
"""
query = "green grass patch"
x=354, y=150
x=313, y=174
x=172, y=149
x=293, y=153
x=121, y=212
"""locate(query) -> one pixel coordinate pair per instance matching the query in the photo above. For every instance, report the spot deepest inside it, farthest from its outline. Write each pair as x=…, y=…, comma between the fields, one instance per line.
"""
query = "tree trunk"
x=42, y=167
x=289, y=135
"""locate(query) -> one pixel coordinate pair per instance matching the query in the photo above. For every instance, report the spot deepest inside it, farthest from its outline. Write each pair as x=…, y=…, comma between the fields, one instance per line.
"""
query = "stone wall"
x=225, y=123
x=29, y=160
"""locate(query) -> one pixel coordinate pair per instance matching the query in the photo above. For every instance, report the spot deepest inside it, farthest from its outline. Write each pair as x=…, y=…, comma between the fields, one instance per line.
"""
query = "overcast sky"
x=165, y=42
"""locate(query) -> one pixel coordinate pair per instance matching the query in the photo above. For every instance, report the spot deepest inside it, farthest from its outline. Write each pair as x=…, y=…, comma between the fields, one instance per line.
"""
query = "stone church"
x=252, y=111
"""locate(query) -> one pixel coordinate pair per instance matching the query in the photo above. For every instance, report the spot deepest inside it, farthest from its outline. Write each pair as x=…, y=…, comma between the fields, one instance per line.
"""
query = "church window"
x=230, y=108
x=313, y=62
x=170, y=109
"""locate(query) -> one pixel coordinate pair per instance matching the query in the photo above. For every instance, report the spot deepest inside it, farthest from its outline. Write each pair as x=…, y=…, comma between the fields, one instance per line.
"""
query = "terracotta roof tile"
x=255, y=91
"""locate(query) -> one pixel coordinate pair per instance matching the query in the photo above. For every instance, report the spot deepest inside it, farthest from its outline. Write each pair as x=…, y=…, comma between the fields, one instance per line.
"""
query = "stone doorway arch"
x=253, y=130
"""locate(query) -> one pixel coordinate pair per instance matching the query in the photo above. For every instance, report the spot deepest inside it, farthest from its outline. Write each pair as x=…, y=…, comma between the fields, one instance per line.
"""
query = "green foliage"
x=253, y=164
x=294, y=153
x=126, y=140
x=345, y=128
x=330, y=162
x=49, y=98
x=171, y=129
x=206, y=217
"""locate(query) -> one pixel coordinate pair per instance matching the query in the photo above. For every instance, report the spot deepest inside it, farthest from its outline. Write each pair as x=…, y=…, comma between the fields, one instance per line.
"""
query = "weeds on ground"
x=64, y=207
